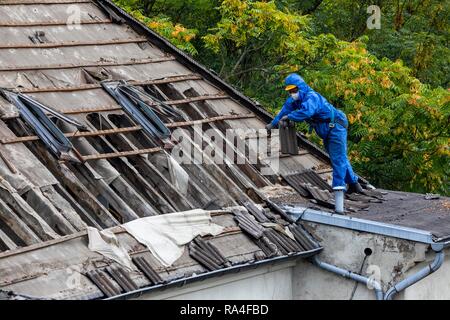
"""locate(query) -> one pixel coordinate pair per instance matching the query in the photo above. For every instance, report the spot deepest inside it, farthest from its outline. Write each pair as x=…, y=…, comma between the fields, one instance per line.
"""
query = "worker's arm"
x=285, y=110
x=307, y=110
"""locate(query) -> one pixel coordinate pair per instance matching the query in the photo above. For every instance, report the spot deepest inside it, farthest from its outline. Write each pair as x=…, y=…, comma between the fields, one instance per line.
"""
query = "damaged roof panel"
x=75, y=57
x=67, y=262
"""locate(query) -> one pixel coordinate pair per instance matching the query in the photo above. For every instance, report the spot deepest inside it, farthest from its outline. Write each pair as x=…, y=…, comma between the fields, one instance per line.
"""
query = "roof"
x=122, y=172
x=115, y=171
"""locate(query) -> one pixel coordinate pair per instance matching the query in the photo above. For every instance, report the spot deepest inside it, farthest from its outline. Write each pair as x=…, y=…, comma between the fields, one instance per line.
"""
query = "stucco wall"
x=435, y=287
x=390, y=260
x=262, y=283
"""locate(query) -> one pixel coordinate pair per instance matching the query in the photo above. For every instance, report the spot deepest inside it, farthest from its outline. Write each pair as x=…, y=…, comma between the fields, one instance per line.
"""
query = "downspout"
x=429, y=269
x=402, y=285
x=350, y=275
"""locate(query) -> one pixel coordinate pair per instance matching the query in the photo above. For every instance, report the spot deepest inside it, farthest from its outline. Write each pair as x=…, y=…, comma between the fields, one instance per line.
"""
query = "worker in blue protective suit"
x=304, y=104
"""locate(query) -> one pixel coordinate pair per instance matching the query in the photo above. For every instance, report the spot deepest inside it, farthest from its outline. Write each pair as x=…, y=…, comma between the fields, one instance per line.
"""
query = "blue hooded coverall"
x=317, y=112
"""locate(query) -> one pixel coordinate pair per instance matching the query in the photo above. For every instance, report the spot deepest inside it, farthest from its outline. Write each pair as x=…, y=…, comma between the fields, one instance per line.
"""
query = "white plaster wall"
x=394, y=258
x=273, y=282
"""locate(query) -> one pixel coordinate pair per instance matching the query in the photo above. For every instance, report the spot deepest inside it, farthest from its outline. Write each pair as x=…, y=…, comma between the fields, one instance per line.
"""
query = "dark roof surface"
x=424, y=212
x=412, y=210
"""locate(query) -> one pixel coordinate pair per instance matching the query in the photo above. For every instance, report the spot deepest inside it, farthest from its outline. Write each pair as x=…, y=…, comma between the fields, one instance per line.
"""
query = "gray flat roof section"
x=411, y=210
x=404, y=209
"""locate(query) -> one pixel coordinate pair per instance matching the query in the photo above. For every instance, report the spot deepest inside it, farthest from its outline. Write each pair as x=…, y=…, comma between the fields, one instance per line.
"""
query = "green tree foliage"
x=399, y=126
x=177, y=34
x=252, y=41
x=416, y=31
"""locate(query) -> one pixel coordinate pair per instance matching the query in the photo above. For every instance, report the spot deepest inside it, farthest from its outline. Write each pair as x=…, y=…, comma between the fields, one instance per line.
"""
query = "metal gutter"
x=219, y=272
x=337, y=220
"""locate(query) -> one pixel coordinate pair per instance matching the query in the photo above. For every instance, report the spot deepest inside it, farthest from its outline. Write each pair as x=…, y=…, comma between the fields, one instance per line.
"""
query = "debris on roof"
x=80, y=273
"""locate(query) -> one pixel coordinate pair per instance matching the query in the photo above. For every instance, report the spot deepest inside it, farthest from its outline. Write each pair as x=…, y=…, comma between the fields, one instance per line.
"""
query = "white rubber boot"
x=339, y=201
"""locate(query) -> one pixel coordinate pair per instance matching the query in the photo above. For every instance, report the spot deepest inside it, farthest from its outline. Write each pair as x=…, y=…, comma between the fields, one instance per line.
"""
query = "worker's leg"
x=337, y=149
x=350, y=176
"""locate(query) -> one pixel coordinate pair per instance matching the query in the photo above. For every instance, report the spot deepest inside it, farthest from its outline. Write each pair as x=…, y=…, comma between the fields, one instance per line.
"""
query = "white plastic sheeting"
x=105, y=242
x=165, y=235
x=178, y=175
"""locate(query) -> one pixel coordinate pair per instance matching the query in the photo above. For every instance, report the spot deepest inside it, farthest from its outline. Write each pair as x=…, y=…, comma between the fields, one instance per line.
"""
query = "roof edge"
x=210, y=274
x=363, y=225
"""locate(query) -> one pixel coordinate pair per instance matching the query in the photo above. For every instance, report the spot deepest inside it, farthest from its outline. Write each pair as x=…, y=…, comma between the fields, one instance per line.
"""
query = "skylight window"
x=35, y=115
x=131, y=99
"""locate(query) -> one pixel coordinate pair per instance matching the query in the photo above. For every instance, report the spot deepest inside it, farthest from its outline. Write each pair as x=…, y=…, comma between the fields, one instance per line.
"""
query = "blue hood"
x=298, y=81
